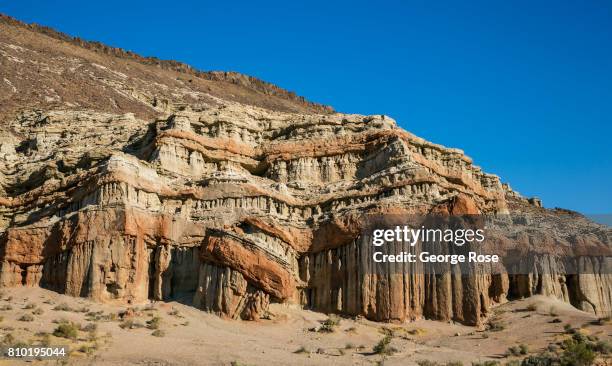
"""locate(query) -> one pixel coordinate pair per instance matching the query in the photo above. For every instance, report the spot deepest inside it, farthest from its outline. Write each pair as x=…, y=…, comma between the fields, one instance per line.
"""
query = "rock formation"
x=125, y=179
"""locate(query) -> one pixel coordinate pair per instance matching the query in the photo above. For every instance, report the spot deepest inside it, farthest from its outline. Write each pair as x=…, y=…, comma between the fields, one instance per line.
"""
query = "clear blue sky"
x=524, y=87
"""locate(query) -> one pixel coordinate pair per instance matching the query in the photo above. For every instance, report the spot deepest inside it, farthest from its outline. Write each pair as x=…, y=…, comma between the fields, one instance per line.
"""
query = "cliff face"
x=125, y=181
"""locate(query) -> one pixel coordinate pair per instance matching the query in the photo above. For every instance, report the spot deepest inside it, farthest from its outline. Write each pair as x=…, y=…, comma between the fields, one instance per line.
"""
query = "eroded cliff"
x=149, y=187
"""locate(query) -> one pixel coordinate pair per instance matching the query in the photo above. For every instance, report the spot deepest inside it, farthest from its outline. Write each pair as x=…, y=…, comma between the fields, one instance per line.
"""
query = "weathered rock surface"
x=122, y=181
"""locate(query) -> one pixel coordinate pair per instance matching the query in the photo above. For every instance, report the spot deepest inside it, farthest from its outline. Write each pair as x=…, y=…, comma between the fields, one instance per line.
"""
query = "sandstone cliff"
x=126, y=179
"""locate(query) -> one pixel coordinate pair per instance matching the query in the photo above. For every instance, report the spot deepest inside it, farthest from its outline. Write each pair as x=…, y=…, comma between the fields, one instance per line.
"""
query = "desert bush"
x=416, y=331
x=553, y=311
x=8, y=339
x=158, y=333
x=45, y=339
x=512, y=351
x=383, y=346
x=67, y=330
x=26, y=318
x=175, y=312
x=130, y=324
x=496, y=325
x=38, y=311
x=485, y=363
x=532, y=307
x=29, y=306
x=6, y=307
x=20, y=344
x=302, y=349
x=62, y=307
x=427, y=363
x=523, y=349
x=330, y=324
x=90, y=327
x=603, y=347
x=153, y=323
x=88, y=349
x=577, y=354
x=540, y=360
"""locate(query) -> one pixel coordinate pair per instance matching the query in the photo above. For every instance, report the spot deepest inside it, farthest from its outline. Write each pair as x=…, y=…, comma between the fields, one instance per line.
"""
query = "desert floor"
x=187, y=336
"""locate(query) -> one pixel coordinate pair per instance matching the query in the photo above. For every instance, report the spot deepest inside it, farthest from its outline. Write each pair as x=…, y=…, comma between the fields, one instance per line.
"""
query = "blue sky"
x=524, y=87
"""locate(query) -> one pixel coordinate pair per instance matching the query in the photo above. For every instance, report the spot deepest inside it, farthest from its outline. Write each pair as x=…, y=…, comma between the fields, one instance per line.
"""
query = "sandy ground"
x=193, y=337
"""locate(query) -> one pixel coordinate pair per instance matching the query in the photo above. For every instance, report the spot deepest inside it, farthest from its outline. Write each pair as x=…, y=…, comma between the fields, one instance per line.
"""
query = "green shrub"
x=577, y=354
x=603, y=347
x=541, y=360
x=383, y=346
x=88, y=349
x=67, y=330
x=330, y=324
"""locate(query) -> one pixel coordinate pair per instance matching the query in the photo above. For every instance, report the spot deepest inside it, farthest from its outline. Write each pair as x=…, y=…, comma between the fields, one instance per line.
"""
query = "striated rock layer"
x=229, y=196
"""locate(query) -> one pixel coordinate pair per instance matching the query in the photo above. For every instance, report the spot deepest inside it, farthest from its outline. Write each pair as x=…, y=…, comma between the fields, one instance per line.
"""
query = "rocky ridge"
x=123, y=181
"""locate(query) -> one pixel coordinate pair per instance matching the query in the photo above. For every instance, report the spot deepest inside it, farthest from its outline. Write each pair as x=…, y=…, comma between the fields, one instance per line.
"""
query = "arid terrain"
x=124, y=335
x=153, y=214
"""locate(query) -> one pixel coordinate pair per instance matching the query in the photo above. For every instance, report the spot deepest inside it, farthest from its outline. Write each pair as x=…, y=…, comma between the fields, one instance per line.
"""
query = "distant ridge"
x=172, y=65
